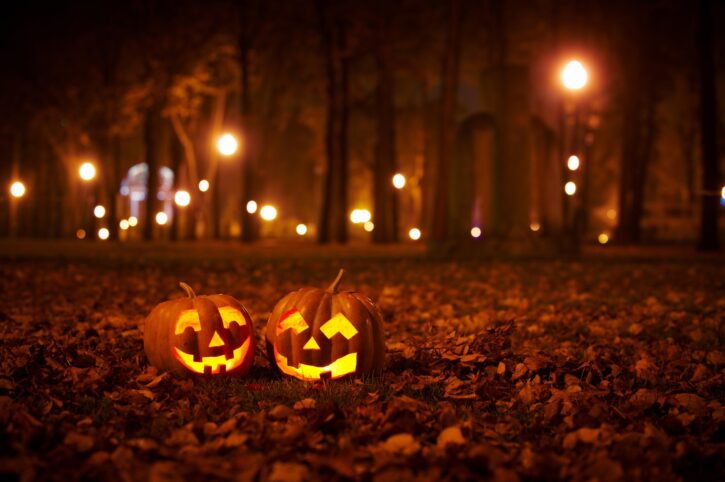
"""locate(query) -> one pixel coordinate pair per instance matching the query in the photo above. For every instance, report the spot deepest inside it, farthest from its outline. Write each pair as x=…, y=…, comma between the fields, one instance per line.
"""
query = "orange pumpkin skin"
x=315, y=334
x=202, y=335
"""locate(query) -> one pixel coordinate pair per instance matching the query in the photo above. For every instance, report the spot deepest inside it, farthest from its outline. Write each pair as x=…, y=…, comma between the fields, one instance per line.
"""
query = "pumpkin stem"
x=335, y=284
x=188, y=290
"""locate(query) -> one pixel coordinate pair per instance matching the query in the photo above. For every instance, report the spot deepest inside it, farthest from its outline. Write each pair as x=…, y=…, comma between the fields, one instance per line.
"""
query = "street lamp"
x=87, y=171
x=227, y=145
x=574, y=76
x=17, y=189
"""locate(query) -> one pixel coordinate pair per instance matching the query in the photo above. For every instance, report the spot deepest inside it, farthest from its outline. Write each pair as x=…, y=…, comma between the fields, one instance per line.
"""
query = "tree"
x=708, y=126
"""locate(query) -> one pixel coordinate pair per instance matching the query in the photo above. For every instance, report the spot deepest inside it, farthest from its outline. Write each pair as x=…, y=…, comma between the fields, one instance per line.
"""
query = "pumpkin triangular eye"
x=311, y=345
x=292, y=321
x=216, y=340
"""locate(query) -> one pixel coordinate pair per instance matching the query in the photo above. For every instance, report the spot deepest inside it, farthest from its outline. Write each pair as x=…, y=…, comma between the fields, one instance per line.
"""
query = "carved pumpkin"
x=315, y=334
x=200, y=334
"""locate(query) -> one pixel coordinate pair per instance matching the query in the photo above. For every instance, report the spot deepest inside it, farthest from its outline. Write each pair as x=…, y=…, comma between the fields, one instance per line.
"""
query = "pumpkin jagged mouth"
x=213, y=364
x=339, y=368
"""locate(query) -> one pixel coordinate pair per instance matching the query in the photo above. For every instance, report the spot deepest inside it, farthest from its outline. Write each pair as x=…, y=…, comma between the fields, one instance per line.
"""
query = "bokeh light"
x=414, y=234
x=611, y=213
x=603, y=238
x=203, y=185
x=182, y=198
x=161, y=218
x=87, y=171
x=268, y=212
x=573, y=163
x=132, y=221
x=359, y=216
x=17, y=189
x=369, y=226
x=123, y=224
x=227, y=145
x=570, y=188
x=99, y=211
x=399, y=181
x=81, y=234
x=103, y=234
x=301, y=229
x=476, y=232
x=534, y=226
x=252, y=207
x=574, y=76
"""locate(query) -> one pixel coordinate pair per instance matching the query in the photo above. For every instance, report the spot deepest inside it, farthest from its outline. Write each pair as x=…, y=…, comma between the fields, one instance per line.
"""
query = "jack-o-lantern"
x=206, y=335
x=315, y=334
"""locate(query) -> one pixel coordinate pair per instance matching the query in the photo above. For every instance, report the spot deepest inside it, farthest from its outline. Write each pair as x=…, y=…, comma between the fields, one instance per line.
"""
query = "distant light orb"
x=573, y=163
x=182, y=198
x=124, y=224
x=132, y=221
x=414, y=234
x=103, y=234
x=369, y=226
x=399, y=181
x=301, y=229
x=17, y=189
x=722, y=192
x=476, y=232
x=203, y=185
x=252, y=207
x=603, y=238
x=81, y=234
x=534, y=226
x=161, y=218
x=574, y=76
x=611, y=213
x=360, y=216
x=87, y=171
x=227, y=145
x=570, y=188
x=99, y=211
x=268, y=213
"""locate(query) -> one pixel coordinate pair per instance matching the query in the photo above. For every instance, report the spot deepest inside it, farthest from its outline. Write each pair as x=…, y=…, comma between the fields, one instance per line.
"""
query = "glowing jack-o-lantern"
x=315, y=334
x=207, y=335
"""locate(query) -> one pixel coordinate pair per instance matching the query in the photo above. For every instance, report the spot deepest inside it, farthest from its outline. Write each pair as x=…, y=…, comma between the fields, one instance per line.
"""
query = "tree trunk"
x=708, y=124
x=150, y=136
x=447, y=119
x=247, y=158
x=385, y=212
x=333, y=221
x=177, y=160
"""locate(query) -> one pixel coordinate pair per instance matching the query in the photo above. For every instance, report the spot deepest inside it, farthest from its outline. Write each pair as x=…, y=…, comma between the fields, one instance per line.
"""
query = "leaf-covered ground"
x=508, y=370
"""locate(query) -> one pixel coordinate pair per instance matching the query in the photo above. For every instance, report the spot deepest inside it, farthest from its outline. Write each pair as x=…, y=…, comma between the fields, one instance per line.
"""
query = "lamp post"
x=87, y=172
x=574, y=77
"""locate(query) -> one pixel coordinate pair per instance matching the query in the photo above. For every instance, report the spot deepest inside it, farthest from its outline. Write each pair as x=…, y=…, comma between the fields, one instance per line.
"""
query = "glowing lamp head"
x=132, y=221
x=368, y=227
x=87, y=171
x=574, y=76
x=161, y=218
x=414, y=234
x=103, y=234
x=360, y=216
x=570, y=188
x=17, y=189
x=399, y=181
x=476, y=232
x=203, y=185
x=603, y=238
x=227, y=145
x=99, y=211
x=573, y=163
x=268, y=213
x=252, y=207
x=182, y=198
x=301, y=229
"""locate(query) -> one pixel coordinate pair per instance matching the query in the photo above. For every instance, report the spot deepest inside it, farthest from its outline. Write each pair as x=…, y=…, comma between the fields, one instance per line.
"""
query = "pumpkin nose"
x=311, y=345
x=216, y=340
